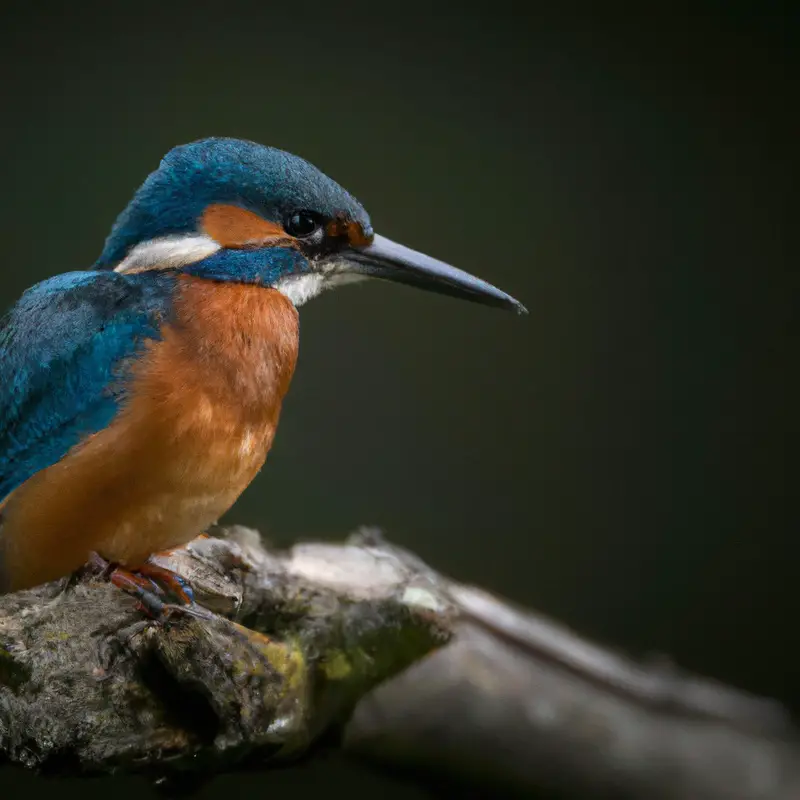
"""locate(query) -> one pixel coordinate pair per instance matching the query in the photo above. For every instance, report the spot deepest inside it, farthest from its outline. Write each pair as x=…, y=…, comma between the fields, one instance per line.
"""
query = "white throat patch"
x=305, y=286
x=168, y=252
x=301, y=288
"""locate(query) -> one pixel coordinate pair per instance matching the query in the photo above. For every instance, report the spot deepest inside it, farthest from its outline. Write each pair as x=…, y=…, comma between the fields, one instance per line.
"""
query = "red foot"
x=149, y=585
x=132, y=583
x=143, y=589
x=169, y=580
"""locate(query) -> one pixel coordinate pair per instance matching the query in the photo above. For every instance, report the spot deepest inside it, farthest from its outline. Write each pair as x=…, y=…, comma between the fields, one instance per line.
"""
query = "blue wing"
x=61, y=348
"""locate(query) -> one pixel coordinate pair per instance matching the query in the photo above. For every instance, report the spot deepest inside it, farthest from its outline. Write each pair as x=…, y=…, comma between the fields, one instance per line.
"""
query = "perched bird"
x=139, y=398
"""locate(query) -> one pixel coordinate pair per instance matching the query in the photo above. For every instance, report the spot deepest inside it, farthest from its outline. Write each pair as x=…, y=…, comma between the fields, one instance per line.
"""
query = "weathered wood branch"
x=362, y=646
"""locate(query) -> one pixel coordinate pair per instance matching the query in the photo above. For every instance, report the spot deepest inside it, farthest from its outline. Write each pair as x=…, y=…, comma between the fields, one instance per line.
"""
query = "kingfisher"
x=140, y=397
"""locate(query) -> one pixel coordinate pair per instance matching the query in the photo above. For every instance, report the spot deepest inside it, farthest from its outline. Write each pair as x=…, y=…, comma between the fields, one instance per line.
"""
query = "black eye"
x=302, y=223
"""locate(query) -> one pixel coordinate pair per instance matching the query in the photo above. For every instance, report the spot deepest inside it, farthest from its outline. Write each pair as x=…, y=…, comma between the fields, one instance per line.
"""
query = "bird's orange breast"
x=194, y=429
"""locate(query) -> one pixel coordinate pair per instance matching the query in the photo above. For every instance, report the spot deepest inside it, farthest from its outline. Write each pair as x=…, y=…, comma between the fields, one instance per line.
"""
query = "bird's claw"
x=168, y=579
x=152, y=585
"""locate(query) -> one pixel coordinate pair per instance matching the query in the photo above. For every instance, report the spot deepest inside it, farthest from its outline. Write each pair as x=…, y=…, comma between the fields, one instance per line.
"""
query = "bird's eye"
x=302, y=223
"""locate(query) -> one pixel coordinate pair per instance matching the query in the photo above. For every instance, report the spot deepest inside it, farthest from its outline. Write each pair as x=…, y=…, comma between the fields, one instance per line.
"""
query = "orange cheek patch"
x=351, y=231
x=238, y=228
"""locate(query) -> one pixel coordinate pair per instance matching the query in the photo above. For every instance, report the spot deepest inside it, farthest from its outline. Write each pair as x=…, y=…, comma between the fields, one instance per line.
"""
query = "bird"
x=140, y=397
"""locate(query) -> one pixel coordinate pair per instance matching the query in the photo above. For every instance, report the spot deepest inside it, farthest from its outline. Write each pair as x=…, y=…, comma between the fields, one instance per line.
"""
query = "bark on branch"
x=362, y=646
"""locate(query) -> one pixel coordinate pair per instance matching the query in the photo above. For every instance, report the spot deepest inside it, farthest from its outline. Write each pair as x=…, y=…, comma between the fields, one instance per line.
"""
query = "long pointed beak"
x=386, y=259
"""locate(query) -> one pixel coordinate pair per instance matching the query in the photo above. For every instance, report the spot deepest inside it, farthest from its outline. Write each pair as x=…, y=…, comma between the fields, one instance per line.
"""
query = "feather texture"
x=64, y=349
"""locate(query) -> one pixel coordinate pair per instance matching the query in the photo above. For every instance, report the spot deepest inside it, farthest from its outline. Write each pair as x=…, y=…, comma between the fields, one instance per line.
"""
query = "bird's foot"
x=167, y=579
x=153, y=587
x=147, y=592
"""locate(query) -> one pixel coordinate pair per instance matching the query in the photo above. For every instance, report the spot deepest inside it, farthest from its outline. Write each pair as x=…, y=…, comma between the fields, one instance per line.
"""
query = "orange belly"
x=192, y=433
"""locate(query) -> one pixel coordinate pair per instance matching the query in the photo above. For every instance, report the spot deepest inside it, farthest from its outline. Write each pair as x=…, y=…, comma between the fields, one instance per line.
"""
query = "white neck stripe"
x=168, y=252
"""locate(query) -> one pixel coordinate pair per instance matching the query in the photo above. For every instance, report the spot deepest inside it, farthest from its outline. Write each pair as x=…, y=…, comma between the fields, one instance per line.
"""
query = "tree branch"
x=362, y=646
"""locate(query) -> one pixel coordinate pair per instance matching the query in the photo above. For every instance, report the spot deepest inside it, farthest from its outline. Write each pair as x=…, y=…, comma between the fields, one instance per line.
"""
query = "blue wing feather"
x=61, y=350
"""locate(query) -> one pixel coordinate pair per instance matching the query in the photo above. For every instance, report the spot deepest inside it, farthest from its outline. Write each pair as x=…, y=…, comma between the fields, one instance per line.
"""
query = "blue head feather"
x=270, y=182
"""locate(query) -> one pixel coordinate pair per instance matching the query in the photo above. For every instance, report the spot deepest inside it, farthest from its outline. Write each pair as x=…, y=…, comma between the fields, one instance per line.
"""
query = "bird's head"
x=232, y=210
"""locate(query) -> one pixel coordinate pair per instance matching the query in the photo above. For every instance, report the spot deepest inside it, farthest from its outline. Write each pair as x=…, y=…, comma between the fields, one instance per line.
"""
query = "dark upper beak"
x=391, y=261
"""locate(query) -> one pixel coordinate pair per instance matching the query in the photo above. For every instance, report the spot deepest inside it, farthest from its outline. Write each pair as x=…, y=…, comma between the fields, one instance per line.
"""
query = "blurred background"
x=624, y=458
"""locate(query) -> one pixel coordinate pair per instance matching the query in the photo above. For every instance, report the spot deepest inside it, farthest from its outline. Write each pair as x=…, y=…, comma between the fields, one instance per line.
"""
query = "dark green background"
x=623, y=458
